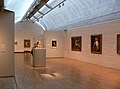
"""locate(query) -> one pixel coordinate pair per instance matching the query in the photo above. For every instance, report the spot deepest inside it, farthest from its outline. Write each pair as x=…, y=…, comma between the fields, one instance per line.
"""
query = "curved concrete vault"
x=77, y=13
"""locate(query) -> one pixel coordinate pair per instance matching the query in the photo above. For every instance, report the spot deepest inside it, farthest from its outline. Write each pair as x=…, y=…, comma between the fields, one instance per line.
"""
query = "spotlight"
x=59, y=5
x=63, y=4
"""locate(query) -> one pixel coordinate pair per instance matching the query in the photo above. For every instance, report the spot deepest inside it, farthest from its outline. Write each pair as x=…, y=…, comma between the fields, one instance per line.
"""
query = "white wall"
x=7, y=44
x=54, y=52
x=109, y=32
x=32, y=31
x=27, y=30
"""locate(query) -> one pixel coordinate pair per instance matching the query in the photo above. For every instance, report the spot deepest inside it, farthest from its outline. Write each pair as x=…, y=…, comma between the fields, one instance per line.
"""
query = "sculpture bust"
x=39, y=44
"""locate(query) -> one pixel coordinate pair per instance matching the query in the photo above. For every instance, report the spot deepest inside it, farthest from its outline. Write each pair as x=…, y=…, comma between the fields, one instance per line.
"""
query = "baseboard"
x=18, y=52
x=53, y=57
x=23, y=52
x=6, y=76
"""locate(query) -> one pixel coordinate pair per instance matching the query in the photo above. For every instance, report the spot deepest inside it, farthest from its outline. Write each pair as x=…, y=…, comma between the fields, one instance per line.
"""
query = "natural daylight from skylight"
x=18, y=6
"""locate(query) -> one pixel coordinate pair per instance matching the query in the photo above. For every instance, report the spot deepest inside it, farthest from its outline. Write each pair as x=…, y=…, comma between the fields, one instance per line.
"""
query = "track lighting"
x=61, y=4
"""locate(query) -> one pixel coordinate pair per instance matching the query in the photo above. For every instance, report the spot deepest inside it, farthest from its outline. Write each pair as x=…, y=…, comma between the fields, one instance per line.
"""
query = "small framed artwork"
x=118, y=44
x=54, y=43
x=15, y=42
x=26, y=43
x=76, y=43
x=96, y=44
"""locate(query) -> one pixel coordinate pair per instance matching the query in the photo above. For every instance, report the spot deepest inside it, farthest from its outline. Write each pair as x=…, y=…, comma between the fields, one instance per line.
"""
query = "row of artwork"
x=96, y=43
x=26, y=43
x=54, y=43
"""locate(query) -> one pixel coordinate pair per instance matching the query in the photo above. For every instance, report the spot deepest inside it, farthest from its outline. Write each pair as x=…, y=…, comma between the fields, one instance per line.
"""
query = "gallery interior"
x=59, y=44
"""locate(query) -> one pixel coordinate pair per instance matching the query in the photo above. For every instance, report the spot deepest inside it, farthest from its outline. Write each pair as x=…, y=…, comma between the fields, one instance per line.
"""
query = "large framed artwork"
x=118, y=44
x=96, y=44
x=26, y=43
x=54, y=43
x=76, y=43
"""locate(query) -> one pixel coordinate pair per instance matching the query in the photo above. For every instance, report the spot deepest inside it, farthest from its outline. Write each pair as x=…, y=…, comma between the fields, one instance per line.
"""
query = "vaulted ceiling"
x=66, y=14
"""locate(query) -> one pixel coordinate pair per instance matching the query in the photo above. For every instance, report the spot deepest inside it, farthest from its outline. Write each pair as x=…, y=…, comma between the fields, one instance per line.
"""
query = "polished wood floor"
x=8, y=83
x=63, y=73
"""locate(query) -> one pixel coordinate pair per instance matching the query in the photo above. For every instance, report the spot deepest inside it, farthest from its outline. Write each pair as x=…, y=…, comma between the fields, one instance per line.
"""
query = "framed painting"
x=118, y=44
x=15, y=42
x=96, y=44
x=76, y=43
x=54, y=43
x=26, y=43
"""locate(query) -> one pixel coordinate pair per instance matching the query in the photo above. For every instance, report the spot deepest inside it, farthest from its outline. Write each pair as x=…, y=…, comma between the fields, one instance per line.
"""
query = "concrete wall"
x=7, y=44
x=27, y=30
x=109, y=56
x=59, y=50
x=77, y=13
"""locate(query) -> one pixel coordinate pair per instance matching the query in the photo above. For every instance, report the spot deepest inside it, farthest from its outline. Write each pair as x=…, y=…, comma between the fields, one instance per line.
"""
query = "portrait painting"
x=118, y=44
x=76, y=43
x=96, y=44
x=26, y=43
x=54, y=43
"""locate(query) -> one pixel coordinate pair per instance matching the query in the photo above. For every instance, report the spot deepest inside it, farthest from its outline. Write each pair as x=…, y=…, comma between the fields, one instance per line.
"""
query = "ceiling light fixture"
x=63, y=4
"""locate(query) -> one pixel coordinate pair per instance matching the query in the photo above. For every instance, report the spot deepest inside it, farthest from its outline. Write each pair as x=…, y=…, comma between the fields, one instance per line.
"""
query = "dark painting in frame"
x=26, y=43
x=96, y=44
x=76, y=43
x=118, y=44
x=54, y=43
x=15, y=42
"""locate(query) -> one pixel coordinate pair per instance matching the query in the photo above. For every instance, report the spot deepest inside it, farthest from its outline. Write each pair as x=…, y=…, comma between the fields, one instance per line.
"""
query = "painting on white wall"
x=54, y=43
x=96, y=44
x=76, y=43
x=26, y=43
x=15, y=42
x=118, y=44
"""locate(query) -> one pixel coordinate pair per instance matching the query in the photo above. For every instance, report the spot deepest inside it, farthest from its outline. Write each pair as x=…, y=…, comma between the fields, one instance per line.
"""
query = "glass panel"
x=19, y=7
x=44, y=9
x=6, y=2
x=32, y=18
x=53, y=3
x=37, y=15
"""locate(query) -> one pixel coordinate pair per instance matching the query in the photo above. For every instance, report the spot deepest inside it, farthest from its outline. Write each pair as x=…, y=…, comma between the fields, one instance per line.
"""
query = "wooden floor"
x=8, y=83
x=62, y=73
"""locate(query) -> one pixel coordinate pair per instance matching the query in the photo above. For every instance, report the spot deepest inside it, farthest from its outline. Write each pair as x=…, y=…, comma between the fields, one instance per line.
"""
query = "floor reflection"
x=64, y=73
x=27, y=57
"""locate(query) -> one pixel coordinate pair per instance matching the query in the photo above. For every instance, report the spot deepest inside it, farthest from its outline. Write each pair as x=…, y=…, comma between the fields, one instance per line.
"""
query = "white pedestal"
x=39, y=57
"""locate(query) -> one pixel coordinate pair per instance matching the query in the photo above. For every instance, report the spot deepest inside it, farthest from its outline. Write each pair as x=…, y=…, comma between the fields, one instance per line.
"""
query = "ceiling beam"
x=37, y=7
x=40, y=12
x=48, y=6
x=33, y=9
x=51, y=9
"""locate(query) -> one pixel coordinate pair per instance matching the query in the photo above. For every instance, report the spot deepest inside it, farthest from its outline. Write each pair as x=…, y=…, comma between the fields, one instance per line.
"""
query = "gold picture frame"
x=15, y=42
x=54, y=43
x=96, y=44
x=76, y=43
x=26, y=43
x=118, y=44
